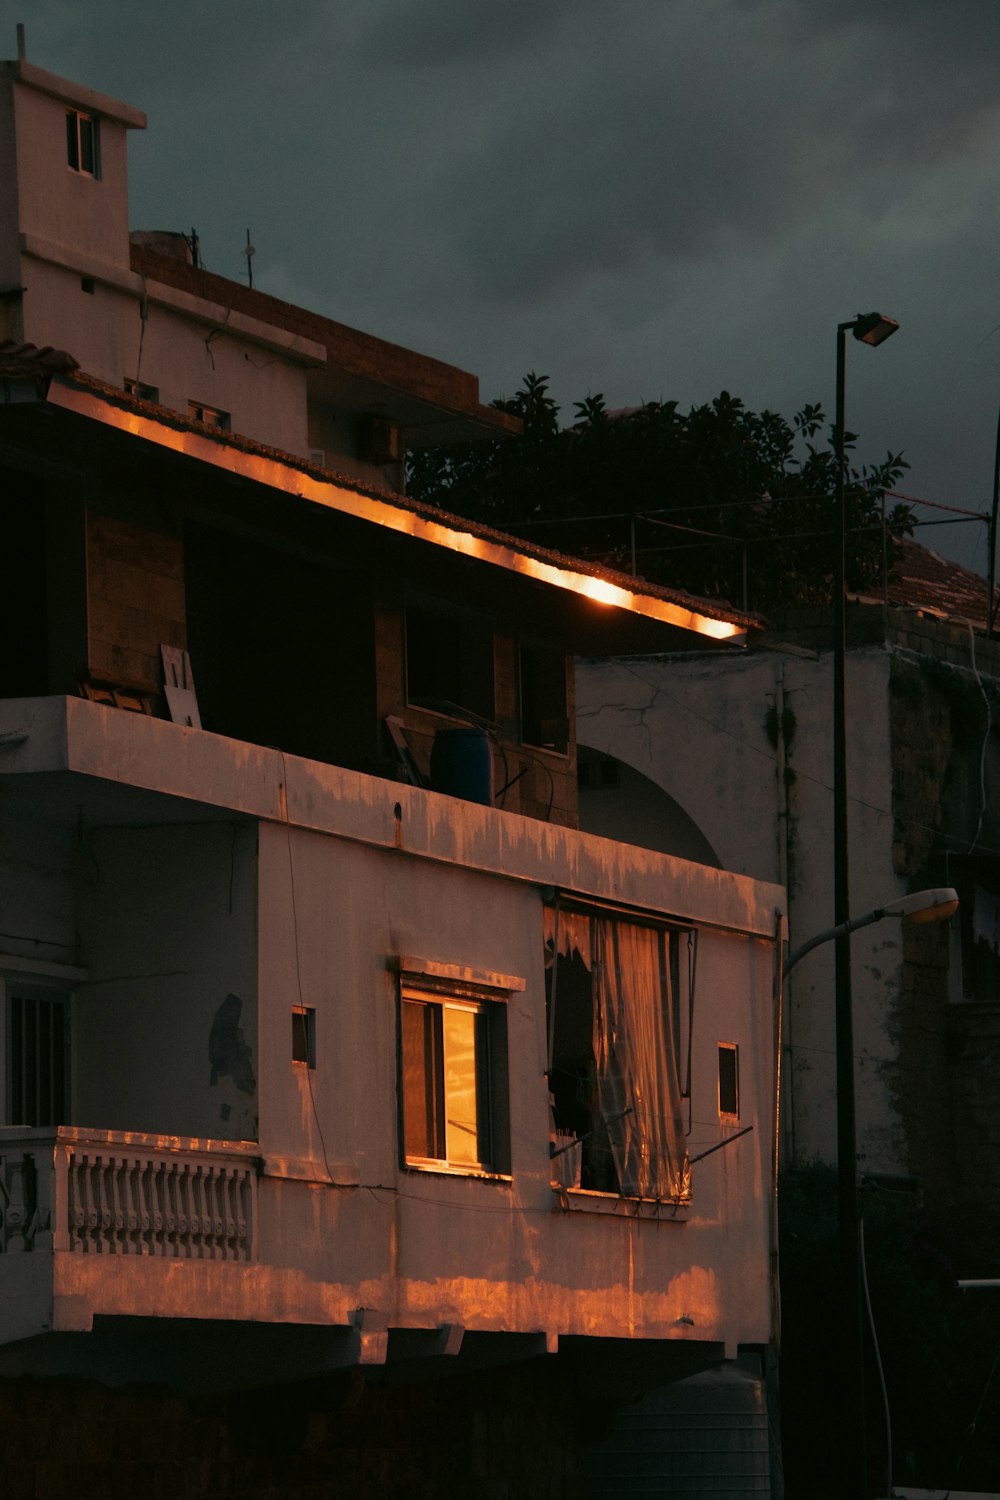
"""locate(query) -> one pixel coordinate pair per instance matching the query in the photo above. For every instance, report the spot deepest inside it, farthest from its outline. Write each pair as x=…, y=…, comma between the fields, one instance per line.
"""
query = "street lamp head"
x=873, y=328
x=925, y=906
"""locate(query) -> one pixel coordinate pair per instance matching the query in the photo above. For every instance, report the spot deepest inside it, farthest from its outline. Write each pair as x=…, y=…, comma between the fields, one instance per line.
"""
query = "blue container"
x=462, y=765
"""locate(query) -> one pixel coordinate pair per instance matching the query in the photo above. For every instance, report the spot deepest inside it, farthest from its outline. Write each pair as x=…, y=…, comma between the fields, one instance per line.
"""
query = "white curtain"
x=638, y=1073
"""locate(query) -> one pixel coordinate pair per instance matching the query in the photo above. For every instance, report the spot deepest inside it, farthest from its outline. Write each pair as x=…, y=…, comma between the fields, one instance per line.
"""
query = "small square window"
x=83, y=143
x=304, y=1035
x=211, y=416
x=141, y=390
x=453, y=1098
x=729, y=1080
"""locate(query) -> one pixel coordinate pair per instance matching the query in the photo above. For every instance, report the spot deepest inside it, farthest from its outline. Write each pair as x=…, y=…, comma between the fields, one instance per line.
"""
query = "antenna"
x=22, y=49
x=249, y=252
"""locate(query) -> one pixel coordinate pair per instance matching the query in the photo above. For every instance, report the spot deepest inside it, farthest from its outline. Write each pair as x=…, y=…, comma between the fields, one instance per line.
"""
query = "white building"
x=318, y=1054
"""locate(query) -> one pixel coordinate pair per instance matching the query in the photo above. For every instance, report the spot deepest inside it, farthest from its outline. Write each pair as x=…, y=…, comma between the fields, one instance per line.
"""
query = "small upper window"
x=544, y=714
x=212, y=416
x=83, y=143
x=449, y=659
x=140, y=389
x=729, y=1080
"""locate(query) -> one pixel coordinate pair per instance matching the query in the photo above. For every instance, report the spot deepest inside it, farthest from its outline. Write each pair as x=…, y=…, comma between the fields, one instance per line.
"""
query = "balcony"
x=107, y=1192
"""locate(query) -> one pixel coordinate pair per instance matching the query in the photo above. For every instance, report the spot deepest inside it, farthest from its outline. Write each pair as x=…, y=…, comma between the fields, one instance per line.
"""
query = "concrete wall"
x=354, y=872
x=164, y=1033
x=59, y=205
x=743, y=744
x=491, y=1254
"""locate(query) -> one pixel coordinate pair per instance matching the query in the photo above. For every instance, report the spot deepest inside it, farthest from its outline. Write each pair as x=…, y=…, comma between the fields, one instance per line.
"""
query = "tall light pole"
x=869, y=328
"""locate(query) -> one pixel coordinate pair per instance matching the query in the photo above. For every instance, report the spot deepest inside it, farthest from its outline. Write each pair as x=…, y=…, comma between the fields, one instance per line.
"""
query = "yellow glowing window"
x=451, y=1081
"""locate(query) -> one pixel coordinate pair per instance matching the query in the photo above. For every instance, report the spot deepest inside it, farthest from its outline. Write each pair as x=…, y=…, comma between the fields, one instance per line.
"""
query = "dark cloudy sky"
x=654, y=199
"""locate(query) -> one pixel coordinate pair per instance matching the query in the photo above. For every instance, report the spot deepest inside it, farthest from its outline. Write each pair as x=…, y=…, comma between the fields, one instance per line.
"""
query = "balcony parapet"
x=106, y=1192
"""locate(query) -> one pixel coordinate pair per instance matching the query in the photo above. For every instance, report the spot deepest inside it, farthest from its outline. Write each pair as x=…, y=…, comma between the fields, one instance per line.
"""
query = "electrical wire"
x=863, y=1263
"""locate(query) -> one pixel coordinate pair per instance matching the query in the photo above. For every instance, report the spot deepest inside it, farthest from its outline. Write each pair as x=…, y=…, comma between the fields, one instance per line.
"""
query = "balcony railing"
x=104, y=1192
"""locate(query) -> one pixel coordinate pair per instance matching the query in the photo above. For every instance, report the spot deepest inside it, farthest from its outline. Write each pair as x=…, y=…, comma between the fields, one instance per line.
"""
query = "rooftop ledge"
x=89, y=753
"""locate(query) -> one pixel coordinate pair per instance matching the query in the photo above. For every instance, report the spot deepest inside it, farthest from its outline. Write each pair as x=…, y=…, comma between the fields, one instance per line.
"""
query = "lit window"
x=304, y=1035
x=211, y=416
x=453, y=1059
x=729, y=1080
x=614, y=1045
x=83, y=143
x=37, y=1054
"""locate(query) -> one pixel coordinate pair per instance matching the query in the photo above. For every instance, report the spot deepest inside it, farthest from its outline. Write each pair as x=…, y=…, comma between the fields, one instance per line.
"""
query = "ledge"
x=613, y=1205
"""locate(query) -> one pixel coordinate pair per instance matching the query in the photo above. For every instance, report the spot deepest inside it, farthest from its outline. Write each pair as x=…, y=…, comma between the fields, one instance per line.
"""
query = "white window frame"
x=78, y=123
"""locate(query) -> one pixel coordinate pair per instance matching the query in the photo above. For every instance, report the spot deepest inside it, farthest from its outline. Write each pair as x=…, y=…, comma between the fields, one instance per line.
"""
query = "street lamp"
x=923, y=906
x=874, y=329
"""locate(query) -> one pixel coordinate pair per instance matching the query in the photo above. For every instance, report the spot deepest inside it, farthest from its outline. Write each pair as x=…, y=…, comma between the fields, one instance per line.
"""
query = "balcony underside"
x=203, y=1355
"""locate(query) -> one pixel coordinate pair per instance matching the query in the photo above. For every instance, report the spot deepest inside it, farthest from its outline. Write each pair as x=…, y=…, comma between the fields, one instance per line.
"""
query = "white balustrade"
x=98, y=1192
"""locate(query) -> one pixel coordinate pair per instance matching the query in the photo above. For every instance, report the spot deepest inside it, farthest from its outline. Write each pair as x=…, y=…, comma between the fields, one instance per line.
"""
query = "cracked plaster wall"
x=698, y=727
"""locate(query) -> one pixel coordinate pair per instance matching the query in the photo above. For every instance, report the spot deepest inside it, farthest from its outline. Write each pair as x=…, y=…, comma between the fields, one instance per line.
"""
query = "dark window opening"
x=614, y=1046
x=24, y=629
x=282, y=649
x=449, y=661
x=729, y=1080
x=544, y=713
x=211, y=416
x=141, y=390
x=37, y=1046
x=83, y=143
x=304, y=1035
x=977, y=881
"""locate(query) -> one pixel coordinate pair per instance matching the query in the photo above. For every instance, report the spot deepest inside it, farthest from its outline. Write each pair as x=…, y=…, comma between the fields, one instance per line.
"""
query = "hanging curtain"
x=638, y=1073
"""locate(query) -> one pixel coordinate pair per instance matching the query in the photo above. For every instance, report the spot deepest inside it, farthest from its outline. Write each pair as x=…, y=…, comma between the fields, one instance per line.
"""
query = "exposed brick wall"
x=135, y=597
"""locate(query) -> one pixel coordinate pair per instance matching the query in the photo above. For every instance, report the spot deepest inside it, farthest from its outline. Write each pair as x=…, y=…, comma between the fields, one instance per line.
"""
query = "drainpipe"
x=781, y=772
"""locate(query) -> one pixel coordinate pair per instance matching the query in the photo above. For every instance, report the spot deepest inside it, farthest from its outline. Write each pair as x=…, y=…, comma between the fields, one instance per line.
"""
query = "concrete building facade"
x=332, y=1048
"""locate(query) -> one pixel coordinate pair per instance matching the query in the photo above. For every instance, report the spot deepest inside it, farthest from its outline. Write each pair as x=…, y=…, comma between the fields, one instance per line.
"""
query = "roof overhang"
x=714, y=621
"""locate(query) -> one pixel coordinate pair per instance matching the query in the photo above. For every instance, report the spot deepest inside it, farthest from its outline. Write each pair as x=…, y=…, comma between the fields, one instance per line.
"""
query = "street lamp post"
x=922, y=906
x=869, y=328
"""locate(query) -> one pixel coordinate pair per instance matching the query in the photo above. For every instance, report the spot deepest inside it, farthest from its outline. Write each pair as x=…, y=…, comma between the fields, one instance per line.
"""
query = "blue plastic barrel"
x=462, y=765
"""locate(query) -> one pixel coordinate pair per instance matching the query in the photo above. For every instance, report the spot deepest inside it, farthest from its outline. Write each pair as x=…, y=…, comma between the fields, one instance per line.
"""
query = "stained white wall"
x=167, y=921
x=698, y=727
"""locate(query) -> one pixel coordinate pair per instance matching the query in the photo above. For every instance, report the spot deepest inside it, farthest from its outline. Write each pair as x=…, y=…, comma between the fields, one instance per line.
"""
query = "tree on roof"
x=721, y=501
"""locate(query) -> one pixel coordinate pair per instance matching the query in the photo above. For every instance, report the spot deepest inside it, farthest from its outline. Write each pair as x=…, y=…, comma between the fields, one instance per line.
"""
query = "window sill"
x=442, y=1169
x=613, y=1205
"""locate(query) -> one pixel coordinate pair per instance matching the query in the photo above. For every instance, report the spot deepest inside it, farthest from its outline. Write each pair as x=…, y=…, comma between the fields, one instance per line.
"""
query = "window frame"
x=537, y=661
x=675, y=998
x=729, y=1049
x=83, y=129
x=209, y=416
x=440, y=996
x=17, y=987
x=476, y=635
